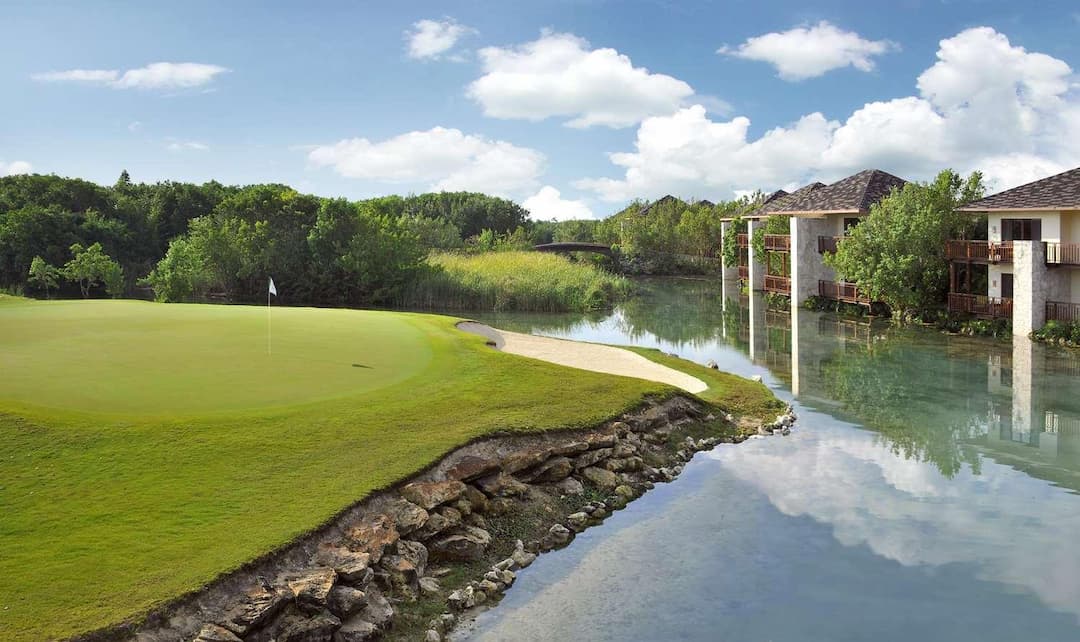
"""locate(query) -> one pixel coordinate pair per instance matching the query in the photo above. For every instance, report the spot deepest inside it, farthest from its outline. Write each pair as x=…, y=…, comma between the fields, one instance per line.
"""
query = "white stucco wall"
x=1051, y=223
x=993, y=285
x=807, y=265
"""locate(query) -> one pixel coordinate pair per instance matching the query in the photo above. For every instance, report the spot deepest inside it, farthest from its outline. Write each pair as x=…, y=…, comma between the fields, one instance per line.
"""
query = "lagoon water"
x=929, y=492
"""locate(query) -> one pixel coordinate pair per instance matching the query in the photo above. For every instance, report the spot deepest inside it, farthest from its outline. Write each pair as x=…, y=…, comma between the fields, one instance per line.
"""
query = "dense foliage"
x=1060, y=332
x=514, y=281
x=192, y=242
x=897, y=253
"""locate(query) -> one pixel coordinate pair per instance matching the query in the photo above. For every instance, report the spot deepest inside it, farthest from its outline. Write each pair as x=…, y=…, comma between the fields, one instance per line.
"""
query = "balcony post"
x=1030, y=287
x=756, y=264
x=807, y=264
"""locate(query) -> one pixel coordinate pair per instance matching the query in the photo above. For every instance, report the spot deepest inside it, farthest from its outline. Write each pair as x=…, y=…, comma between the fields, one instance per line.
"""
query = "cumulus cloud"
x=808, y=52
x=15, y=167
x=559, y=75
x=549, y=205
x=444, y=159
x=985, y=105
x=430, y=39
x=158, y=75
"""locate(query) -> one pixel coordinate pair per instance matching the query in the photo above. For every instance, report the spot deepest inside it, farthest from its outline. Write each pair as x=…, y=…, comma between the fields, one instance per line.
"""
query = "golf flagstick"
x=269, y=333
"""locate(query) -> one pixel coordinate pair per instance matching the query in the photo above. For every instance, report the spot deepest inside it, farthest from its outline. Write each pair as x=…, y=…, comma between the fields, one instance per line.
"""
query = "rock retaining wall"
x=351, y=579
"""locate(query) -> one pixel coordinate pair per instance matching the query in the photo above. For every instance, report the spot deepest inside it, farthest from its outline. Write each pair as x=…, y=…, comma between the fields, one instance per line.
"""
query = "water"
x=929, y=492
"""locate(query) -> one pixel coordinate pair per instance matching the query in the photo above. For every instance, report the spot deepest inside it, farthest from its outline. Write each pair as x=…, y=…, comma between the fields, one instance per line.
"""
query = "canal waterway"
x=928, y=492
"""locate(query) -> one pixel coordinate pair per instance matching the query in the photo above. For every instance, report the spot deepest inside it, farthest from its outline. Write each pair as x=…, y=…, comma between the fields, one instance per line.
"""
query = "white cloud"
x=186, y=145
x=984, y=105
x=15, y=167
x=808, y=52
x=430, y=39
x=158, y=75
x=444, y=159
x=548, y=204
x=559, y=76
x=134, y=126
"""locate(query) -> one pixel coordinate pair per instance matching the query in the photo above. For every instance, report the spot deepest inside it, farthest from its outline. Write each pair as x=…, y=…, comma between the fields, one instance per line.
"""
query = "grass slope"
x=149, y=448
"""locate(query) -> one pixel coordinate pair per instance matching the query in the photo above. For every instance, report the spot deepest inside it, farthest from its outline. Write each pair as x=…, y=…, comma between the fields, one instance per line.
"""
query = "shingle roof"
x=779, y=200
x=856, y=193
x=664, y=200
x=1058, y=192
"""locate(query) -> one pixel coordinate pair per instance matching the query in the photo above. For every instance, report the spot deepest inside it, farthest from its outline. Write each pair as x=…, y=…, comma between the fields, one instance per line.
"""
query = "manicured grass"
x=194, y=452
x=515, y=281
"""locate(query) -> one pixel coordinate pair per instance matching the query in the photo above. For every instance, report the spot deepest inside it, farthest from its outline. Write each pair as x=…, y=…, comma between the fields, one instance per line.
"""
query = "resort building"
x=818, y=217
x=1028, y=269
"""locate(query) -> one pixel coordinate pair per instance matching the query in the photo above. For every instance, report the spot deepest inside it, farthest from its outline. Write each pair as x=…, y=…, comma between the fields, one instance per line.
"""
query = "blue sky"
x=599, y=102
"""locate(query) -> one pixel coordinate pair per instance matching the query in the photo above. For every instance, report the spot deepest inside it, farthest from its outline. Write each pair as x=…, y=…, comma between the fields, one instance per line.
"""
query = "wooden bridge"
x=596, y=248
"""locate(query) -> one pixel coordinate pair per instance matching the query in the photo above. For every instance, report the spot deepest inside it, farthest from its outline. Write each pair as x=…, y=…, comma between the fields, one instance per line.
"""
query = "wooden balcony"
x=828, y=244
x=980, y=251
x=1060, y=311
x=1062, y=254
x=744, y=271
x=990, y=307
x=777, y=243
x=742, y=240
x=842, y=291
x=778, y=284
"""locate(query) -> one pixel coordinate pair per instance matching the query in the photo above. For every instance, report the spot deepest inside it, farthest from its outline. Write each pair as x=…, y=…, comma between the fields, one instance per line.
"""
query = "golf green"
x=148, y=448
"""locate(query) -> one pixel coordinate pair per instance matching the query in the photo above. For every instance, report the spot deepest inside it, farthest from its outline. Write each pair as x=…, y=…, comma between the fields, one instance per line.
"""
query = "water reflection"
x=930, y=491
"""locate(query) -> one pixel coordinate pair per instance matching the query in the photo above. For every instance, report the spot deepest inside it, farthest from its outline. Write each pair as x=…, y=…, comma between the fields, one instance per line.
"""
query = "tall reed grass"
x=529, y=281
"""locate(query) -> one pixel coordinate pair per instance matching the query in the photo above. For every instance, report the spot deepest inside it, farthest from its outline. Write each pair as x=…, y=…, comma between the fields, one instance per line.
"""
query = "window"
x=1021, y=229
x=1006, y=286
x=850, y=223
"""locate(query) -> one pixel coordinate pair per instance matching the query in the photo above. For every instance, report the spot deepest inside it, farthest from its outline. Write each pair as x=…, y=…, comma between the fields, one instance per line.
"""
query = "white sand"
x=585, y=356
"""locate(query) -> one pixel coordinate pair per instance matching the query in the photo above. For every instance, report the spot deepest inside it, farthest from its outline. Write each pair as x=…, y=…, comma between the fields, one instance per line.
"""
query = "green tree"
x=91, y=266
x=897, y=254
x=43, y=275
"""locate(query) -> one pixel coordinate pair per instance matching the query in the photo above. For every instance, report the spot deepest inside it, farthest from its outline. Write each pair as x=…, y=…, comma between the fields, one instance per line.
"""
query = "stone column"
x=756, y=264
x=807, y=265
x=757, y=325
x=1030, y=285
x=1025, y=416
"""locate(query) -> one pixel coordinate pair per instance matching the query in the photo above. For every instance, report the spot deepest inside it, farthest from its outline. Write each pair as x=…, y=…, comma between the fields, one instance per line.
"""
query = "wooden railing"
x=1062, y=254
x=744, y=271
x=777, y=242
x=780, y=284
x=993, y=252
x=742, y=240
x=828, y=244
x=1060, y=311
x=842, y=291
x=980, y=306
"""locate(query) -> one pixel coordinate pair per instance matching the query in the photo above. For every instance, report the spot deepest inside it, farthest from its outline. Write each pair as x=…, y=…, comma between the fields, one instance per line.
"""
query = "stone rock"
x=373, y=536
x=604, y=479
x=501, y=485
x=461, y=599
x=311, y=588
x=711, y=364
x=350, y=566
x=470, y=467
x=523, y=459
x=557, y=535
x=489, y=587
x=432, y=636
x=256, y=607
x=503, y=565
x=429, y=586
x=523, y=558
x=428, y=495
x=443, y=623
x=578, y=521
x=463, y=506
x=614, y=465
x=466, y=543
x=410, y=560
x=592, y=457
x=603, y=439
x=626, y=492
x=507, y=577
x=377, y=610
x=477, y=520
x=215, y=633
x=500, y=506
x=552, y=470
x=296, y=627
x=623, y=449
x=356, y=630
x=569, y=486
x=343, y=601
x=756, y=378
x=570, y=448
x=407, y=516
x=477, y=499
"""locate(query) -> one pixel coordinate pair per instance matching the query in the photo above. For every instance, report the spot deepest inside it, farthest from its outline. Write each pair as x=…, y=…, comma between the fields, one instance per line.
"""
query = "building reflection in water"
x=1018, y=404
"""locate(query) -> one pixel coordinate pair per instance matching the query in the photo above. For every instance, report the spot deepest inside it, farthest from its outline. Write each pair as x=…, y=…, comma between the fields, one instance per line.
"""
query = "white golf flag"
x=273, y=290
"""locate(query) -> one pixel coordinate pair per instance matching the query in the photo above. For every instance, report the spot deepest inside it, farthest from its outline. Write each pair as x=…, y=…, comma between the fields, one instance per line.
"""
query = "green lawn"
x=147, y=448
